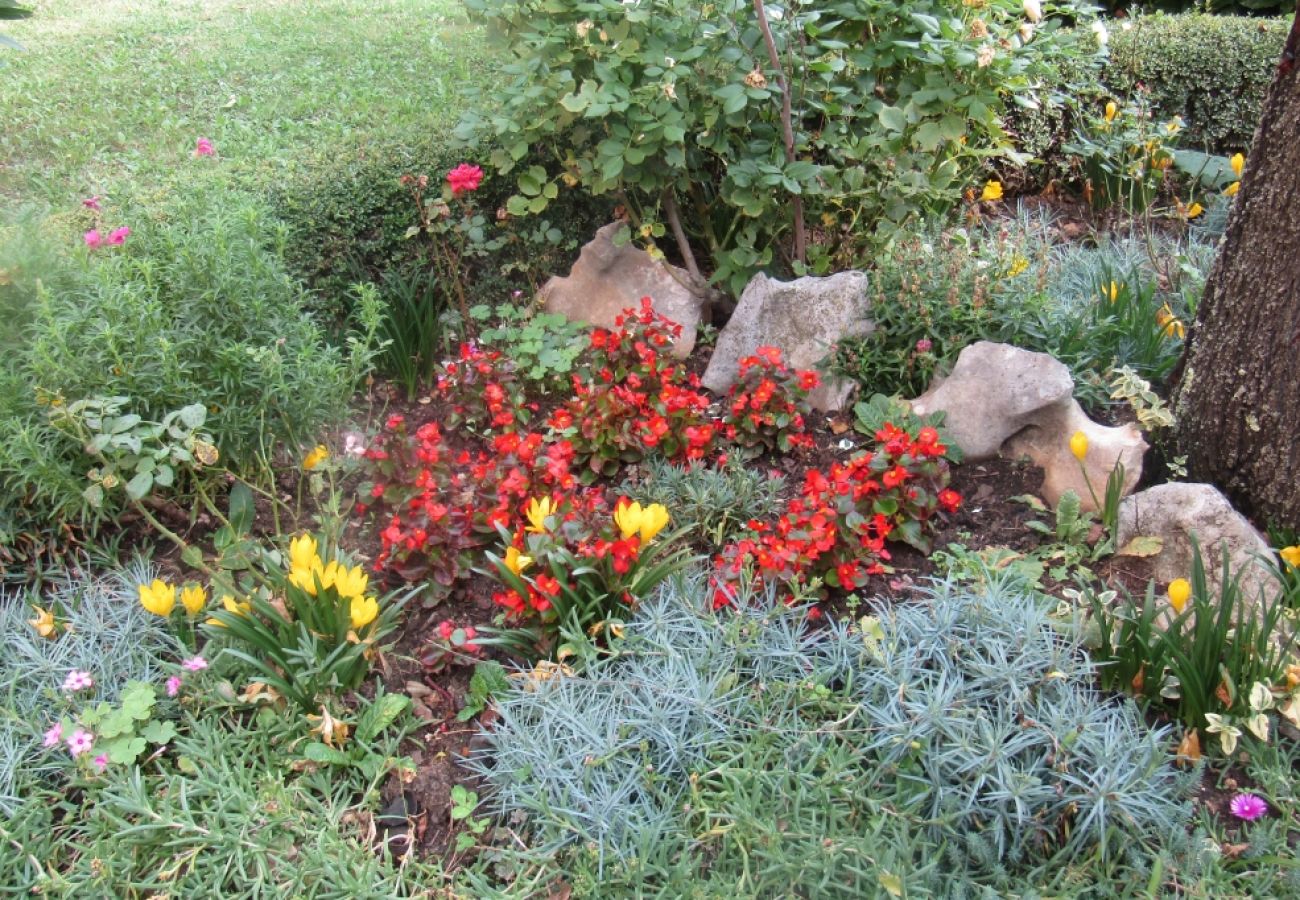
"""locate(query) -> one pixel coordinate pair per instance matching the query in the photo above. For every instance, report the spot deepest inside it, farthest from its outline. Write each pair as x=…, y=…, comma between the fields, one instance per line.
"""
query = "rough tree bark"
x=1237, y=399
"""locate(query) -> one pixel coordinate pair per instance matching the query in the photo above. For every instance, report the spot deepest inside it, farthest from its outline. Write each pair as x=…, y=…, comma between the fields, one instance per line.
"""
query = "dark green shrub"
x=1211, y=70
x=348, y=221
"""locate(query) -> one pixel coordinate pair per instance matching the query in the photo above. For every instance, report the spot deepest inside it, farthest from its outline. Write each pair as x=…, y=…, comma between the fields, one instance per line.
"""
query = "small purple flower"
x=80, y=742
x=76, y=680
x=101, y=762
x=173, y=685
x=54, y=736
x=1248, y=807
x=197, y=664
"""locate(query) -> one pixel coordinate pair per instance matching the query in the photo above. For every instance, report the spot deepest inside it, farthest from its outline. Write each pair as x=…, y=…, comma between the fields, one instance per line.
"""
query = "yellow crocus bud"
x=653, y=519
x=1111, y=111
x=1079, y=445
x=362, y=611
x=515, y=561
x=1179, y=593
x=193, y=598
x=628, y=518
x=1238, y=162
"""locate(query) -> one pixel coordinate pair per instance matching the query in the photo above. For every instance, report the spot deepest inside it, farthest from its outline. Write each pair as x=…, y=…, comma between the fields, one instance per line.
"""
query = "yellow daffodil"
x=362, y=611
x=628, y=518
x=193, y=598
x=1079, y=445
x=1238, y=162
x=1180, y=591
x=1231, y=190
x=44, y=623
x=302, y=552
x=1111, y=111
x=515, y=561
x=317, y=456
x=653, y=519
x=1290, y=555
x=158, y=597
x=230, y=604
x=539, y=509
x=992, y=191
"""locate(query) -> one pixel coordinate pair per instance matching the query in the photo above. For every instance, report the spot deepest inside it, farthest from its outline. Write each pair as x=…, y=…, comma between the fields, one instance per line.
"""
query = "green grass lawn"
x=110, y=97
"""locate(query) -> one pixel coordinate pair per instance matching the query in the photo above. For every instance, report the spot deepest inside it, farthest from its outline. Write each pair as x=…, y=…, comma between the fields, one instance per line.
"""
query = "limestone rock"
x=1178, y=511
x=804, y=318
x=607, y=279
x=1004, y=400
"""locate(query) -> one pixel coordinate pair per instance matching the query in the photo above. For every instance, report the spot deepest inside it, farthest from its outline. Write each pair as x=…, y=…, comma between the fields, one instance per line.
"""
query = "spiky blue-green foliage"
x=108, y=634
x=747, y=751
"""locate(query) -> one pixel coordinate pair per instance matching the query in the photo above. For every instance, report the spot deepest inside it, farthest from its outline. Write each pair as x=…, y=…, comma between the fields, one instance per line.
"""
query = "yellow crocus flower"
x=1111, y=111
x=1079, y=445
x=1179, y=593
x=515, y=561
x=539, y=509
x=193, y=598
x=158, y=597
x=362, y=611
x=628, y=518
x=1238, y=162
x=1195, y=210
x=230, y=604
x=1290, y=555
x=302, y=552
x=992, y=191
x=317, y=456
x=349, y=582
x=653, y=519
x=44, y=623
x=1231, y=190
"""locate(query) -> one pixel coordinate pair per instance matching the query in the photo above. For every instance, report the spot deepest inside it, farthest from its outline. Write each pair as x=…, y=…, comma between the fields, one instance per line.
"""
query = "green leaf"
x=158, y=732
x=893, y=118
x=194, y=415
x=139, y=486
x=321, y=753
x=381, y=713
x=240, y=508
x=124, y=750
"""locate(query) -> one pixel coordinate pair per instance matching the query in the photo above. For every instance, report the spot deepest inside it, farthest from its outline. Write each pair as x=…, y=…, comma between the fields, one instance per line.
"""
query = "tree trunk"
x=1237, y=399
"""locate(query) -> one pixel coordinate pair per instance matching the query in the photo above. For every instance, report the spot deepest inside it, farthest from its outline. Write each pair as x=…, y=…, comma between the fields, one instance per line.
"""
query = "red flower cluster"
x=763, y=405
x=634, y=403
x=464, y=178
x=481, y=390
x=837, y=527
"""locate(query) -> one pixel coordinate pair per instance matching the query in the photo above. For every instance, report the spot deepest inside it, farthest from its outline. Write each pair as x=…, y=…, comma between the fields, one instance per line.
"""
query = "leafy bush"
x=890, y=112
x=347, y=222
x=765, y=406
x=544, y=347
x=711, y=503
x=1210, y=70
x=746, y=749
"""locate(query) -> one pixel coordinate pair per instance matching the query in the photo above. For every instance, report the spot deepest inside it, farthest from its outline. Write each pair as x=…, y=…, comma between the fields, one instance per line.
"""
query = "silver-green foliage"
x=967, y=724
x=109, y=635
x=715, y=502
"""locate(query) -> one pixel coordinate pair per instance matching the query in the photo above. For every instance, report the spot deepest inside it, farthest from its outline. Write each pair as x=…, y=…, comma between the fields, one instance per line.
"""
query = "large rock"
x=607, y=279
x=803, y=318
x=1002, y=400
x=1177, y=512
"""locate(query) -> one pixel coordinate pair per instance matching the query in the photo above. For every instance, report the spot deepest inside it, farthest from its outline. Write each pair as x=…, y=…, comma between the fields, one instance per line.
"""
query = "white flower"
x=1033, y=10
x=1026, y=32
x=1100, y=32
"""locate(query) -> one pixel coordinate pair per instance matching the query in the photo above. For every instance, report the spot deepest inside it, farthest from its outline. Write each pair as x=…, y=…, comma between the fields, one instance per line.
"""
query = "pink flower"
x=76, y=680
x=1248, y=807
x=54, y=735
x=203, y=147
x=197, y=664
x=91, y=203
x=173, y=685
x=80, y=742
x=101, y=762
x=119, y=235
x=923, y=345
x=464, y=178
x=94, y=240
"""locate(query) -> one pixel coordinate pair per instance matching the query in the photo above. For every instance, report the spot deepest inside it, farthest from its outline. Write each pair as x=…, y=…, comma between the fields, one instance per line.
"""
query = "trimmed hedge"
x=1211, y=70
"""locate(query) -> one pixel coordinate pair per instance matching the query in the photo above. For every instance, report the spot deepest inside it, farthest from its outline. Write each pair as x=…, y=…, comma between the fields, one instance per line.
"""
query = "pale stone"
x=1177, y=512
x=607, y=280
x=803, y=318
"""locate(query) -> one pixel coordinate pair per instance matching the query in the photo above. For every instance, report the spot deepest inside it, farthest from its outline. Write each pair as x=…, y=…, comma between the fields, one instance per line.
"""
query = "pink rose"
x=464, y=178
x=94, y=240
x=118, y=236
x=203, y=147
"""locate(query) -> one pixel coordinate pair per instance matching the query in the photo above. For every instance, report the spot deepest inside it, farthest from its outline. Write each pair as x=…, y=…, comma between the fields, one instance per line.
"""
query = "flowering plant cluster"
x=763, y=406
x=634, y=403
x=481, y=390
x=442, y=505
x=97, y=733
x=311, y=627
x=576, y=567
x=836, y=529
